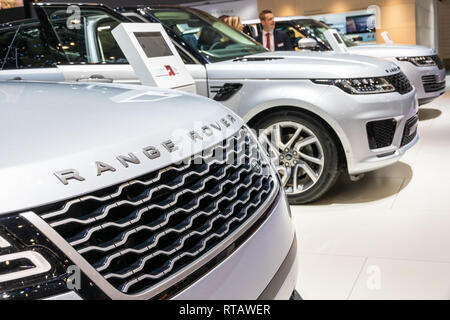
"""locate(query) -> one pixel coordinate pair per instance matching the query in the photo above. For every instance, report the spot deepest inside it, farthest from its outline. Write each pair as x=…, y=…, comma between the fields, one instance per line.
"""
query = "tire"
x=307, y=151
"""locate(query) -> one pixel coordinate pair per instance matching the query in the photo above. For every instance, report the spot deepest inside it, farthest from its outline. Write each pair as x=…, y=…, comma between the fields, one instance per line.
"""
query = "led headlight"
x=30, y=266
x=424, y=61
x=360, y=86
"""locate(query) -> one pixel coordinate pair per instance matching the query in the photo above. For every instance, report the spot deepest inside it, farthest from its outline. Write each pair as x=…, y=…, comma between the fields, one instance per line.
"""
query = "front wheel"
x=303, y=151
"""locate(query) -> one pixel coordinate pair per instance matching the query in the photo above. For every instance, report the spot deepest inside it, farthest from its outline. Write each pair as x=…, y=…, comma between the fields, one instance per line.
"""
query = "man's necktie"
x=268, y=40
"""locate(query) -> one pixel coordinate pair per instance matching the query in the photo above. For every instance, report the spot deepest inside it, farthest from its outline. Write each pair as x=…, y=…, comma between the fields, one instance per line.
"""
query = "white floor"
x=386, y=236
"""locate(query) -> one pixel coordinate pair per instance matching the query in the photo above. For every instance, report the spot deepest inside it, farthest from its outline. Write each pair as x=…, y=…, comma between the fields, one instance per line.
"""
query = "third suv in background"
x=421, y=65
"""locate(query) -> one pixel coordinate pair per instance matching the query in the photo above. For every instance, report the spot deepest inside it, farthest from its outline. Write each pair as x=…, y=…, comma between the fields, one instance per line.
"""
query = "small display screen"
x=360, y=24
x=153, y=44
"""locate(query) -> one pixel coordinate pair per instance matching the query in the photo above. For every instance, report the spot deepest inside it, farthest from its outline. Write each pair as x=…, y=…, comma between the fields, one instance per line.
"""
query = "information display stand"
x=153, y=56
x=335, y=40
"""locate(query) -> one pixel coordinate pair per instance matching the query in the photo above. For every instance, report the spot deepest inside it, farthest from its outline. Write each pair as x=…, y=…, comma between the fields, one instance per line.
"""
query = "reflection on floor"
x=386, y=236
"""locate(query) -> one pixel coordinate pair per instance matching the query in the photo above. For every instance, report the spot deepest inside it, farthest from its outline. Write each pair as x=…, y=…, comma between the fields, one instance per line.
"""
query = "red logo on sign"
x=170, y=70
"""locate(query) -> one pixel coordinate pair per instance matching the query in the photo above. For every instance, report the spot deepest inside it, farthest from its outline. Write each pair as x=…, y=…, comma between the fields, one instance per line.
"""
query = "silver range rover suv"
x=317, y=114
x=422, y=65
x=129, y=192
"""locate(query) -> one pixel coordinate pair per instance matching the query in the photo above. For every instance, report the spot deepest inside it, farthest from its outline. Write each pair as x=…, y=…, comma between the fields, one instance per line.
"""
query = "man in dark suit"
x=274, y=40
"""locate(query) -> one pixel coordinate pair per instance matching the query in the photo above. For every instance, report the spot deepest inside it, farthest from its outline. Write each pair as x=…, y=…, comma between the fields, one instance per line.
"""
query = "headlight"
x=425, y=61
x=359, y=86
x=30, y=267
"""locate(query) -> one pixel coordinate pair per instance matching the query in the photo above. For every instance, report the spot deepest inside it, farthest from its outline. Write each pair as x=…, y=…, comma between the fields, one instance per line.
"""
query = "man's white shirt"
x=272, y=40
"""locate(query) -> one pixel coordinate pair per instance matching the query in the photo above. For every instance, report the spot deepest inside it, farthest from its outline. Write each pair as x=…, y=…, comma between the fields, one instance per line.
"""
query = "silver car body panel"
x=84, y=123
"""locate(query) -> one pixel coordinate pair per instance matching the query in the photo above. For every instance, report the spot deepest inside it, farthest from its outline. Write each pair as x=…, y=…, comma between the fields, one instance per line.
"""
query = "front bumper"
x=349, y=115
x=428, y=81
x=264, y=266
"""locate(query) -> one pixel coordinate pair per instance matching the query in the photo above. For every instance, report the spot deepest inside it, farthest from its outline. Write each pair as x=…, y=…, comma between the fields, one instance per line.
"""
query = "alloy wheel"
x=296, y=153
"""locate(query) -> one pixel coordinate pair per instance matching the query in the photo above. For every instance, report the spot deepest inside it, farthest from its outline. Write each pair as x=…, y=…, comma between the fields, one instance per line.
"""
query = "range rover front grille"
x=139, y=233
x=431, y=84
x=410, y=131
x=381, y=133
x=438, y=61
x=400, y=82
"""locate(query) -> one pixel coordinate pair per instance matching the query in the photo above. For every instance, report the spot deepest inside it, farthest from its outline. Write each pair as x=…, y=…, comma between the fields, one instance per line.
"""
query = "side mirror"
x=306, y=43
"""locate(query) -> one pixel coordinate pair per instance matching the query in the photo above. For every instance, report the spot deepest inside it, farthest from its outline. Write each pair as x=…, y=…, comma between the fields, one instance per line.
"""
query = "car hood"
x=301, y=65
x=392, y=51
x=51, y=127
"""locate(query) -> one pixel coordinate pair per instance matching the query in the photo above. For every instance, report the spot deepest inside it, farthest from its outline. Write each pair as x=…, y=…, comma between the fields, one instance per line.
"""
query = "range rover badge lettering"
x=65, y=175
x=151, y=152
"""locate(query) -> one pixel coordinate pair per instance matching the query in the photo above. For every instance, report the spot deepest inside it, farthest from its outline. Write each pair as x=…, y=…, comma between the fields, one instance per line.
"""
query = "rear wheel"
x=303, y=152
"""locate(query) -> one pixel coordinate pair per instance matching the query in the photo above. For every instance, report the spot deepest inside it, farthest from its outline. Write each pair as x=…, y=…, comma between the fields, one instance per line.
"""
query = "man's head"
x=267, y=20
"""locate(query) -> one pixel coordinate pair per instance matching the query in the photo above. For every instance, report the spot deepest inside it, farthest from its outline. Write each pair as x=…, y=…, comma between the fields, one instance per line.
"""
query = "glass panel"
x=110, y=51
x=31, y=50
x=6, y=38
x=293, y=33
x=317, y=28
x=215, y=40
x=85, y=36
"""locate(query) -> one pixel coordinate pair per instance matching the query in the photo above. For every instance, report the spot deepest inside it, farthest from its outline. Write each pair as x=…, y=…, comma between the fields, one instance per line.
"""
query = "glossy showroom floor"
x=386, y=236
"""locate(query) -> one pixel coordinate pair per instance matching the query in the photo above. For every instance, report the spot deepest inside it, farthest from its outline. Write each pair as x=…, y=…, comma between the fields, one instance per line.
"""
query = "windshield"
x=317, y=29
x=215, y=40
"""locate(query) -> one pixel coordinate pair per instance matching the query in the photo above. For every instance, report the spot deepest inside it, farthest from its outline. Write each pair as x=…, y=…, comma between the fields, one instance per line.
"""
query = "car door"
x=96, y=56
x=85, y=38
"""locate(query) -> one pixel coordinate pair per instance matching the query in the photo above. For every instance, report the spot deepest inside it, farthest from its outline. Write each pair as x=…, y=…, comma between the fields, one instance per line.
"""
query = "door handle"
x=96, y=78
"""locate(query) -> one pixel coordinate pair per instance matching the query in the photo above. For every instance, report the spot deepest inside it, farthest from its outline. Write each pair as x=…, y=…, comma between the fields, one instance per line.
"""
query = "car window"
x=86, y=37
x=290, y=31
x=213, y=39
x=109, y=50
x=6, y=39
x=31, y=50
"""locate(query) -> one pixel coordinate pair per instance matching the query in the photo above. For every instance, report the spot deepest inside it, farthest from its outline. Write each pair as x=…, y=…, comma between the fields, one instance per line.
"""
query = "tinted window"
x=290, y=31
x=6, y=38
x=109, y=50
x=31, y=50
x=215, y=40
x=86, y=36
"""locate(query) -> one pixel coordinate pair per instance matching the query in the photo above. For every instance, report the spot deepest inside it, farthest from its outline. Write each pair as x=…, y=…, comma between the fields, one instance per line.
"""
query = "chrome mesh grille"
x=438, y=61
x=400, y=83
x=141, y=232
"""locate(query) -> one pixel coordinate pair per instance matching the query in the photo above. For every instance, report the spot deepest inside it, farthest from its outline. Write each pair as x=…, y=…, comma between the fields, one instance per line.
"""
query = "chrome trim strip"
x=40, y=263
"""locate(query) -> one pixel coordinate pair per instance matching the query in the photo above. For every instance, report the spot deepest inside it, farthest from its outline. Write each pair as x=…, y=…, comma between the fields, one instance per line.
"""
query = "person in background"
x=224, y=18
x=274, y=40
x=235, y=22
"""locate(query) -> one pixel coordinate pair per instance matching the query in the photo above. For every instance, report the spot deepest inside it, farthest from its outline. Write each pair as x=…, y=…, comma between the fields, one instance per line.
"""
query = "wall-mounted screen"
x=360, y=24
